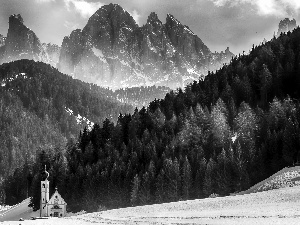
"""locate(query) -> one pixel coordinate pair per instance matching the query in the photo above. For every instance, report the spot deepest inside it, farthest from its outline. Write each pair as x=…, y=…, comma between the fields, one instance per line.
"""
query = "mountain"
x=286, y=25
x=22, y=43
x=2, y=40
x=53, y=52
x=113, y=51
x=41, y=108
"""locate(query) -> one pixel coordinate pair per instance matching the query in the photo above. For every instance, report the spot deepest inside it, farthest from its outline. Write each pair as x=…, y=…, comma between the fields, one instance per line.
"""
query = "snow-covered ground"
x=258, y=205
x=18, y=211
x=280, y=206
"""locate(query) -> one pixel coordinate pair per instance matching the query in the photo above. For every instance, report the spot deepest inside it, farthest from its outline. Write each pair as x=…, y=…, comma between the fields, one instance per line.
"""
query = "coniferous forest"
x=221, y=135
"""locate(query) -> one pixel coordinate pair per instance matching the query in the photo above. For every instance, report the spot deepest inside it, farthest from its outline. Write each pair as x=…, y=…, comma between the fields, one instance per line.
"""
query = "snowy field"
x=280, y=206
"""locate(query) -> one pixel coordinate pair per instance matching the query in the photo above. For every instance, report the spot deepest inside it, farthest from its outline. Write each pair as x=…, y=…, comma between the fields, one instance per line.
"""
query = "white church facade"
x=53, y=207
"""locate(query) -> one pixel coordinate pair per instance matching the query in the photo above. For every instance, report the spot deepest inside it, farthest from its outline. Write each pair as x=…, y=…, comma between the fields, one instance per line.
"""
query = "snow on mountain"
x=80, y=119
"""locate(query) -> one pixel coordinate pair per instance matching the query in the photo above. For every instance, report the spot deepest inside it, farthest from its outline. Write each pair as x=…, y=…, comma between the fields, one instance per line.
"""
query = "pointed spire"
x=46, y=172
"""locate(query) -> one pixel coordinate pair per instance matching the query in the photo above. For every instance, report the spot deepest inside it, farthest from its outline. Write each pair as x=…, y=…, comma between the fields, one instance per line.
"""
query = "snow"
x=147, y=82
x=234, y=137
x=150, y=46
x=18, y=211
x=280, y=206
x=285, y=179
x=80, y=119
x=99, y=54
x=188, y=30
x=192, y=71
x=124, y=63
x=127, y=28
x=12, y=78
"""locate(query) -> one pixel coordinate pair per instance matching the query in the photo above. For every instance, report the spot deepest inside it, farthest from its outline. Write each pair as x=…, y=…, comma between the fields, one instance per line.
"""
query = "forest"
x=220, y=135
x=35, y=101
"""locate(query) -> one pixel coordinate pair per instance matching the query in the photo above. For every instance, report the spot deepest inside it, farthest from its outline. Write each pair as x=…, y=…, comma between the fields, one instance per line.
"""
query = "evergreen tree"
x=186, y=179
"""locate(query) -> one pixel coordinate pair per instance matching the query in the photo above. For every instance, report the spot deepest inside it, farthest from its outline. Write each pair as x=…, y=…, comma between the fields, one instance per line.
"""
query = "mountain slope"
x=41, y=108
x=287, y=177
x=112, y=51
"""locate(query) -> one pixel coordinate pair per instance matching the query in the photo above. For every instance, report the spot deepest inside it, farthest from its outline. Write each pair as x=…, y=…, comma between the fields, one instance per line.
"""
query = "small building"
x=56, y=205
x=53, y=207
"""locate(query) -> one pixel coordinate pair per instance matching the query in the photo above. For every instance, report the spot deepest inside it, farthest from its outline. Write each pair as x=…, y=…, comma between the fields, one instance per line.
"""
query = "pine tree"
x=145, y=195
x=134, y=199
x=209, y=183
x=186, y=179
x=200, y=178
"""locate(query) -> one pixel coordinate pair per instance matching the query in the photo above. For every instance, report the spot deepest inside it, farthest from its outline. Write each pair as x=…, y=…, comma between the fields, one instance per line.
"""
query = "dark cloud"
x=218, y=23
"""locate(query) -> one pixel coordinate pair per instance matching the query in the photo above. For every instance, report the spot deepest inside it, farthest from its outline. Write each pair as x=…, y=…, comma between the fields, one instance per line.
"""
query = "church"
x=53, y=207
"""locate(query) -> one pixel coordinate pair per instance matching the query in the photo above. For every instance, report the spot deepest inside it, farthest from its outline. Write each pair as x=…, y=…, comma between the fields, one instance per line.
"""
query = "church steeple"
x=44, y=193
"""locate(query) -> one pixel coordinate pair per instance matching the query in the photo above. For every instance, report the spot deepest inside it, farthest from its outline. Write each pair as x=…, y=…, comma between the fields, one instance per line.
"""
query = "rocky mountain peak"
x=113, y=51
x=22, y=43
x=152, y=18
x=15, y=19
x=171, y=21
x=286, y=25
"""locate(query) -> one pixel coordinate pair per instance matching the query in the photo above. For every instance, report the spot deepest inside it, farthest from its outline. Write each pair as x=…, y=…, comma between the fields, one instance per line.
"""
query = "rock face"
x=286, y=25
x=53, y=52
x=22, y=43
x=113, y=51
x=2, y=46
x=2, y=40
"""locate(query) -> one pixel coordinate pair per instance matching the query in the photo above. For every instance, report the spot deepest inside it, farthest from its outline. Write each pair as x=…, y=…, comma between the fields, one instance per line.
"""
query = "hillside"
x=287, y=177
x=41, y=108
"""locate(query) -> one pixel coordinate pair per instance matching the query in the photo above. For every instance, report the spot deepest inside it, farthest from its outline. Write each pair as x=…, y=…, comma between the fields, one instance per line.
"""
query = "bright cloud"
x=136, y=16
x=44, y=1
x=266, y=7
x=84, y=8
x=71, y=25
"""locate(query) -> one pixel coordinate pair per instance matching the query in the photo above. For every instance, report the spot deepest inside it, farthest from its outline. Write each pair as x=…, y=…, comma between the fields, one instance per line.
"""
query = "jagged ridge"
x=112, y=50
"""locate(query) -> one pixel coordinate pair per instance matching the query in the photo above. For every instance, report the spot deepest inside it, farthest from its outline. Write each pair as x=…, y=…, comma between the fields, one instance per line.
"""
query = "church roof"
x=56, y=199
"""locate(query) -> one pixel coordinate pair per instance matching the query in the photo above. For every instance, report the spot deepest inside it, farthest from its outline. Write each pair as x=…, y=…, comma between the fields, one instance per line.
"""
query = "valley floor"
x=281, y=206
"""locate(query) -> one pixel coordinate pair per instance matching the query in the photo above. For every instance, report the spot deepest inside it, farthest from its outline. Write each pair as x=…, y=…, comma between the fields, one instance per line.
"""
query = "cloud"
x=136, y=16
x=71, y=25
x=44, y=1
x=84, y=8
x=277, y=8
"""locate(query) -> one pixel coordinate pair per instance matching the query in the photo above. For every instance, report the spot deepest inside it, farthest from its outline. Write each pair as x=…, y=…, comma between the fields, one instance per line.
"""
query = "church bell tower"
x=44, y=194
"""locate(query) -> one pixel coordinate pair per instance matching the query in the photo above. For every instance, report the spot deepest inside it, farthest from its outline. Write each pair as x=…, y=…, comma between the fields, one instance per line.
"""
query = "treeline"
x=141, y=96
x=221, y=135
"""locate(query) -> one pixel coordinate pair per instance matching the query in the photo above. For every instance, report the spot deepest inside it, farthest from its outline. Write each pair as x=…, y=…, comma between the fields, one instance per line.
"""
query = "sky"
x=237, y=24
